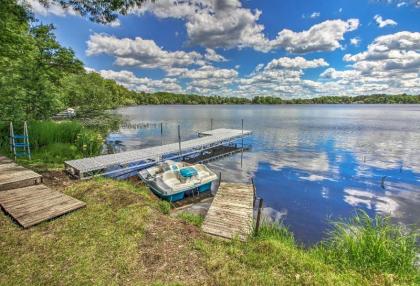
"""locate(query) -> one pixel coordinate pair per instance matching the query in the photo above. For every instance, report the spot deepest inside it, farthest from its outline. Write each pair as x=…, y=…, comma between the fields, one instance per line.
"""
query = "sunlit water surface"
x=311, y=163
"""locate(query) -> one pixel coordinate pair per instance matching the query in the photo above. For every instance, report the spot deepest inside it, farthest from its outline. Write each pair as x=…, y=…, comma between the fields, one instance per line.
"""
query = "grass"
x=124, y=237
x=371, y=245
x=94, y=245
x=164, y=207
x=52, y=142
x=191, y=218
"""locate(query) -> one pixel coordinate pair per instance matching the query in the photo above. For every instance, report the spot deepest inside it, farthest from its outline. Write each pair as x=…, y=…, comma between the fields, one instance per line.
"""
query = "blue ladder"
x=19, y=144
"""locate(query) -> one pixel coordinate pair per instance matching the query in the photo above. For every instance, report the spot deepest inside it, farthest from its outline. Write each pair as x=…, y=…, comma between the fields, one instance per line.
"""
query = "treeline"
x=362, y=99
x=39, y=78
x=170, y=98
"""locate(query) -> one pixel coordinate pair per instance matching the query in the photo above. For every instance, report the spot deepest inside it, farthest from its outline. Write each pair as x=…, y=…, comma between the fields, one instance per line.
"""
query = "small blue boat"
x=172, y=180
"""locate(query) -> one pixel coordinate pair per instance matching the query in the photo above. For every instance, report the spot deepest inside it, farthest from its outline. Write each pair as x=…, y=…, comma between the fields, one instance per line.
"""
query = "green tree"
x=102, y=11
x=32, y=64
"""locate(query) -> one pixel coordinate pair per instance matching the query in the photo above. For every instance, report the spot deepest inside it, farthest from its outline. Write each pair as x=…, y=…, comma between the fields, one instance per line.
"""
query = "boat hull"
x=181, y=195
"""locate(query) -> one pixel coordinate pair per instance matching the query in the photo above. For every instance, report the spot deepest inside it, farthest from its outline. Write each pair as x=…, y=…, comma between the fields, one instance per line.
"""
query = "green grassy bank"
x=125, y=237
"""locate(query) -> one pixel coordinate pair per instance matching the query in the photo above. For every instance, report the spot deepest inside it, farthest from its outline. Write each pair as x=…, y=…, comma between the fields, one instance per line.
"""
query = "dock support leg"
x=257, y=225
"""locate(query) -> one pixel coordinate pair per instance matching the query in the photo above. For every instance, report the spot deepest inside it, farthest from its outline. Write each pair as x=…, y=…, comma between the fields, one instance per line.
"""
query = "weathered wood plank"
x=34, y=204
x=231, y=212
x=5, y=160
x=13, y=176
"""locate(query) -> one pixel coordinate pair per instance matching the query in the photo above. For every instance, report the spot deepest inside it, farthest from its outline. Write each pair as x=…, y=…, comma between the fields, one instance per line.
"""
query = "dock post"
x=254, y=192
x=220, y=178
x=257, y=225
x=161, y=133
x=242, y=137
x=211, y=124
x=179, y=140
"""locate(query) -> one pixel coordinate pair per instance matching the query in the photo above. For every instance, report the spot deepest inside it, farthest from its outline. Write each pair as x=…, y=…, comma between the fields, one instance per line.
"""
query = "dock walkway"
x=231, y=212
x=88, y=167
x=27, y=200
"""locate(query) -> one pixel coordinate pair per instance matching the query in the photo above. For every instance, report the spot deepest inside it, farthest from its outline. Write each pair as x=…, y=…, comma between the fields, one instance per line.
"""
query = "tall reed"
x=371, y=244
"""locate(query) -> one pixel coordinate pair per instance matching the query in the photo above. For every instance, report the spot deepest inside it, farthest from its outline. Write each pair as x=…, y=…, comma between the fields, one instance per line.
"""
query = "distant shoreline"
x=159, y=98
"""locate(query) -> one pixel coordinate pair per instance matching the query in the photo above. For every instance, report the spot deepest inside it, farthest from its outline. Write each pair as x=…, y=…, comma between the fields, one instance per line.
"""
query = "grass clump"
x=194, y=219
x=273, y=231
x=164, y=207
x=372, y=245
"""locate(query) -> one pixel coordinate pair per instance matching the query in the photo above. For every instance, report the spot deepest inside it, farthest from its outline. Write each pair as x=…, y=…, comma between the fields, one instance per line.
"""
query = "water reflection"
x=311, y=163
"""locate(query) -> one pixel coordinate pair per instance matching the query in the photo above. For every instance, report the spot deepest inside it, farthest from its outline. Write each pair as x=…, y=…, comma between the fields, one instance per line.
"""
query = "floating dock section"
x=231, y=212
x=27, y=200
x=135, y=160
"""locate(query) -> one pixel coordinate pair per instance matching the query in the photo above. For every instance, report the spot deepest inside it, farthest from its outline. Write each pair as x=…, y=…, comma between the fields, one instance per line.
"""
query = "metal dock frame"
x=135, y=160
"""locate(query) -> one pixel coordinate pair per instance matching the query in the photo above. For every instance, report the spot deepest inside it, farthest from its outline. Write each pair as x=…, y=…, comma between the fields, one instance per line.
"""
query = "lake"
x=311, y=163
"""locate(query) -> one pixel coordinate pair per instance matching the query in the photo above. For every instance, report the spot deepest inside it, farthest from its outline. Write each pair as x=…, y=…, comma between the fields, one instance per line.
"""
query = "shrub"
x=89, y=142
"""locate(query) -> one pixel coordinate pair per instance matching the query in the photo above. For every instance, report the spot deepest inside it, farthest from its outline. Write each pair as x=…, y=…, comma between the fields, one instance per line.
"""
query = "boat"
x=172, y=180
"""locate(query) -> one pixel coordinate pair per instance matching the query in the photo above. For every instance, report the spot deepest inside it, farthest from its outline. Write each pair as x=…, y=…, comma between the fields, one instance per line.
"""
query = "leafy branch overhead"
x=101, y=11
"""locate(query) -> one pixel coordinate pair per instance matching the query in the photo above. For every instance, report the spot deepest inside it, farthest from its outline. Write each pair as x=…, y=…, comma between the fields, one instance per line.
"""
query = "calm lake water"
x=311, y=163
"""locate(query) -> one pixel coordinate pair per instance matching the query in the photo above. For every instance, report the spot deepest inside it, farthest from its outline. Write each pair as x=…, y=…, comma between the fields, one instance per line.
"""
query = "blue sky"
x=249, y=48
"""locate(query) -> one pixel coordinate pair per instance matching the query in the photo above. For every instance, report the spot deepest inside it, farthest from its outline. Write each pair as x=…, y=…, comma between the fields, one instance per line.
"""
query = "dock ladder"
x=19, y=144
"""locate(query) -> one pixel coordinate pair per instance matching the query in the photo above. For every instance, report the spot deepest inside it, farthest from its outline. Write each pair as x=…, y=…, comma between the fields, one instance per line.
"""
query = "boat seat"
x=202, y=171
x=170, y=179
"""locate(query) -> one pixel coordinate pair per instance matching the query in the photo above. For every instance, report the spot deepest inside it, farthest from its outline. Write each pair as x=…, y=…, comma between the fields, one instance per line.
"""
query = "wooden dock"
x=137, y=159
x=231, y=212
x=26, y=200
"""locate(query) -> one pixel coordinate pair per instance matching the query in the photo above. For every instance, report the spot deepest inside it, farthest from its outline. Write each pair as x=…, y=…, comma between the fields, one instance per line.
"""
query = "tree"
x=32, y=64
x=15, y=52
x=101, y=11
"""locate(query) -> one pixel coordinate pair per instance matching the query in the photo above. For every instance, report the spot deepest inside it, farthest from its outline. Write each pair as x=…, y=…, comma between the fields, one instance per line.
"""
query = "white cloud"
x=281, y=77
x=115, y=23
x=213, y=24
x=141, y=84
x=332, y=73
x=212, y=56
x=397, y=51
x=383, y=23
x=297, y=63
x=53, y=8
x=206, y=72
x=391, y=64
x=178, y=9
x=208, y=79
x=340, y=10
x=355, y=41
x=315, y=15
x=325, y=36
x=227, y=24
x=140, y=52
x=400, y=4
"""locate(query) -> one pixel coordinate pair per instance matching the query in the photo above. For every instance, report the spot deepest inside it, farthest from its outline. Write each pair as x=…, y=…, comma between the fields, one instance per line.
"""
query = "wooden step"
x=13, y=176
x=34, y=204
x=5, y=160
